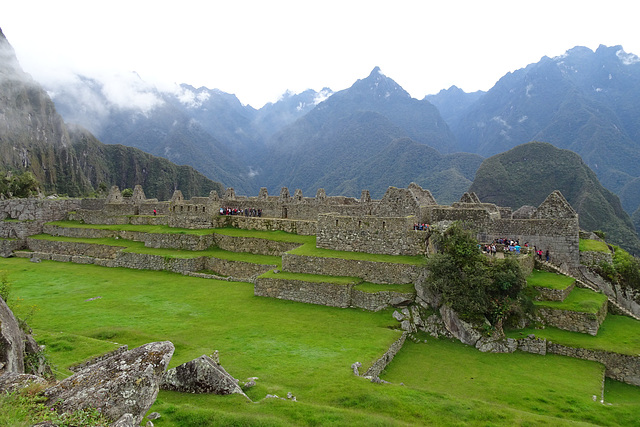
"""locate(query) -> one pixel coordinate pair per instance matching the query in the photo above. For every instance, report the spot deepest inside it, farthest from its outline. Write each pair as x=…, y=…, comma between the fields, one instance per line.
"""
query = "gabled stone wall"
x=370, y=234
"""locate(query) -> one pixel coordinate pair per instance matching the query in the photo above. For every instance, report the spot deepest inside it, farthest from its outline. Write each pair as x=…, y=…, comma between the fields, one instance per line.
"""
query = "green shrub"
x=474, y=286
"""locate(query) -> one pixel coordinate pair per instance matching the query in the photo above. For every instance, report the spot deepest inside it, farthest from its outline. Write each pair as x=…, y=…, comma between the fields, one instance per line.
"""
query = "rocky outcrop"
x=201, y=375
x=124, y=384
x=458, y=327
x=12, y=381
x=11, y=341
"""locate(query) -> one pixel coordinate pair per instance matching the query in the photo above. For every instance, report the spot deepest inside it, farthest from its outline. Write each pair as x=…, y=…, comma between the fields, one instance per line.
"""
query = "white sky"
x=259, y=49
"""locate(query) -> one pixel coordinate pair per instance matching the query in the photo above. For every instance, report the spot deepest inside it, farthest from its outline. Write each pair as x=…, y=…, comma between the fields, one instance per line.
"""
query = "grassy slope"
x=620, y=334
x=545, y=279
x=301, y=348
x=593, y=245
x=581, y=300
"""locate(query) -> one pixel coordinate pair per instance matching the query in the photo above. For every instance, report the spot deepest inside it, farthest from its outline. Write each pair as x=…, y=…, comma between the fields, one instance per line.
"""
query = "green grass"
x=405, y=288
x=619, y=334
x=588, y=245
x=71, y=349
x=304, y=349
x=556, y=386
x=278, y=236
x=139, y=247
x=580, y=300
x=545, y=279
x=311, y=250
x=313, y=278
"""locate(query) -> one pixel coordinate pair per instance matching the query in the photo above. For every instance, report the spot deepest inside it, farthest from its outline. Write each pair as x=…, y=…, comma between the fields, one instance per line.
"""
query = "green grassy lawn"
x=582, y=300
x=556, y=386
x=620, y=334
x=588, y=245
x=139, y=247
x=300, y=348
x=545, y=279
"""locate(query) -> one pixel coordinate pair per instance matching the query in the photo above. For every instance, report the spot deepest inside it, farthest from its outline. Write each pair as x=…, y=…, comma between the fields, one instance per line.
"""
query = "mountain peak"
x=376, y=73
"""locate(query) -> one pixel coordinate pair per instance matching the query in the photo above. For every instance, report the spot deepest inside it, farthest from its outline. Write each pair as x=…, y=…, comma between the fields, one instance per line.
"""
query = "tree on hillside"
x=18, y=184
x=476, y=287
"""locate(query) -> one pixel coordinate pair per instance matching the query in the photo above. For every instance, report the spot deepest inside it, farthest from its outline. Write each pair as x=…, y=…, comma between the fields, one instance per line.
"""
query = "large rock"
x=11, y=341
x=459, y=328
x=12, y=381
x=201, y=375
x=127, y=383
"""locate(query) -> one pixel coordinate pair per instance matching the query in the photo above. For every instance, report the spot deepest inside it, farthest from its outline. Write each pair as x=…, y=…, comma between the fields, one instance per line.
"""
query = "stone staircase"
x=584, y=282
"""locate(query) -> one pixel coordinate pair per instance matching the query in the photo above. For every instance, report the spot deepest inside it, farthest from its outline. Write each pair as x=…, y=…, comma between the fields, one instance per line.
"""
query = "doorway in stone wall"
x=284, y=212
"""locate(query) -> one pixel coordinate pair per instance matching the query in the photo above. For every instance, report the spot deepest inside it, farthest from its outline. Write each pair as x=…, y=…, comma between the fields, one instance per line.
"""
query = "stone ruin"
x=384, y=226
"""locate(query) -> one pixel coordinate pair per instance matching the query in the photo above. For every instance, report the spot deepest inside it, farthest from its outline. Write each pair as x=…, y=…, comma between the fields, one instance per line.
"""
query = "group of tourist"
x=421, y=227
x=245, y=211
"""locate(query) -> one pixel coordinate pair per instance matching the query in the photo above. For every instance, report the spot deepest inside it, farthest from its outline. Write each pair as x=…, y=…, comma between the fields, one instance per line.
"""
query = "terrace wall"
x=376, y=235
x=329, y=294
x=370, y=271
x=587, y=323
x=620, y=367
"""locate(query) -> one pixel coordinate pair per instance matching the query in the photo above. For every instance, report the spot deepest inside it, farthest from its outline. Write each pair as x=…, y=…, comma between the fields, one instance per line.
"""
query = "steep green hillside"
x=34, y=137
x=528, y=173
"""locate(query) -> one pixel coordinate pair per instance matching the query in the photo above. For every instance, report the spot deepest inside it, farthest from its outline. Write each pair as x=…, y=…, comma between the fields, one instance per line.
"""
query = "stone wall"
x=73, y=248
x=33, y=209
x=253, y=245
x=575, y=321
x=328, y=294
x=302, y=227
x=376, y=235
x=180, y=241
x=376, y=301
x=548, y=294
x=379, y=365
x=110, y=256
x=559, y=236
x=7, y=246
x=19, y=229
x=620, y=367
x=590, y=258
x=375, y=272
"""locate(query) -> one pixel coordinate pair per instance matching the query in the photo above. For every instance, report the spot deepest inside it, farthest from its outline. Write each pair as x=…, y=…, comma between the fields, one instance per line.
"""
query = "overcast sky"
x=259, y=49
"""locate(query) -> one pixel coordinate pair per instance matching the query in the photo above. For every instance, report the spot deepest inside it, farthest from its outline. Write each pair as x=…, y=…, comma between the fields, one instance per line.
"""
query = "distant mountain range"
x=70, y=160
x=373, y=134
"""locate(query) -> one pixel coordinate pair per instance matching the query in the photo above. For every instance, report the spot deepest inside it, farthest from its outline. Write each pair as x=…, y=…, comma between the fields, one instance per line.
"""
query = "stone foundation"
x=374, y=272
x=329, y=294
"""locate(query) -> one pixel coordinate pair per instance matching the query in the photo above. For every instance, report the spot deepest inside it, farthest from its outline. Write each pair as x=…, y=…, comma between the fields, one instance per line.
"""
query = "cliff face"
x=34, y=137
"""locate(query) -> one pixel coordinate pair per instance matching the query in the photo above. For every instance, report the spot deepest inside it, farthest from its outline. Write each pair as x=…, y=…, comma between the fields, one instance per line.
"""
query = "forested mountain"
x=34, y=137
x=347, y=143
x=584, y=101
x=528, y=173
x=453, y=102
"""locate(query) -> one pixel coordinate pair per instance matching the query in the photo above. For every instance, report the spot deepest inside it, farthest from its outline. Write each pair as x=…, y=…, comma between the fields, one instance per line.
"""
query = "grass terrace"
x=304, y=349
x=581, y=300
x=278, y=236
x=545, y=279
x=619, y=334
x=311, y=250
x=139, y=247
x=313, y=278
x=588, y=245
